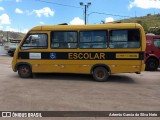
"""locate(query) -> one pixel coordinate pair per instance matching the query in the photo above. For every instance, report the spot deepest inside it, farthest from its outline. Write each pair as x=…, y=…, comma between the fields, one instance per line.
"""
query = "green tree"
x=144, y=24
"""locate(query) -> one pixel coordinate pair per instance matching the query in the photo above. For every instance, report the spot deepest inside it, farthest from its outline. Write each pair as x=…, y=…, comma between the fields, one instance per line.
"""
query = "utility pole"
x=85, y=10
x=7, y=36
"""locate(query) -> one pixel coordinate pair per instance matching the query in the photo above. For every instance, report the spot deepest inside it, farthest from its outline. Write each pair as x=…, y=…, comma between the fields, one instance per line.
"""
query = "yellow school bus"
x=99, y=50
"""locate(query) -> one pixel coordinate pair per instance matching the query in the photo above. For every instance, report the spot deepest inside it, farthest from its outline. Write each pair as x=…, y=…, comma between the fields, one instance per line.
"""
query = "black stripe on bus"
x=83, y=55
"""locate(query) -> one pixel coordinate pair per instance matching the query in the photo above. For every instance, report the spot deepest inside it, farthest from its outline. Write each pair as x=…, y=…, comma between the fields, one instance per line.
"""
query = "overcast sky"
x=22, y=15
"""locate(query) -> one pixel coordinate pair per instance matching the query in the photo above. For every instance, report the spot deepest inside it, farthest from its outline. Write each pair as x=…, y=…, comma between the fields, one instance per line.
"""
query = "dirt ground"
x=72, y=92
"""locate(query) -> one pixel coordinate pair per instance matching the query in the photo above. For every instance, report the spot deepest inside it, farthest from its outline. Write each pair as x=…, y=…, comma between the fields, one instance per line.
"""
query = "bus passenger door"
x=33, y=50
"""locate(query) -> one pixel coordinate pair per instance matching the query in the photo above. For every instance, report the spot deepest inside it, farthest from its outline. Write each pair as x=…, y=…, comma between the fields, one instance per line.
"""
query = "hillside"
x=151, y=23
x=6, y=36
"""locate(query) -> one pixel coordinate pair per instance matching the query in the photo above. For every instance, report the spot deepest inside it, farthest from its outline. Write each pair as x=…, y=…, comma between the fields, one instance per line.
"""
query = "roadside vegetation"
x=150, y=23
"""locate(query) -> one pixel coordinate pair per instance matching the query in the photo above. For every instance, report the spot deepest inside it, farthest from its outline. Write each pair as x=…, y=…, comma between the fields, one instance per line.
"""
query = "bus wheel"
x=24, y=71
x=152, y=65
x=100, y=74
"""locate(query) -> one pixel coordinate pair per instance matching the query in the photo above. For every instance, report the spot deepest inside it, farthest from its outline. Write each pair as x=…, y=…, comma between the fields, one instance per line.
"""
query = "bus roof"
x=88, y=27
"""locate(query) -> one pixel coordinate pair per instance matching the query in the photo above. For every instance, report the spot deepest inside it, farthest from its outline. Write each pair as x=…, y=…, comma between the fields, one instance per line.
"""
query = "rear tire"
x=100, y=74
x=24, y=71
x=152, y=64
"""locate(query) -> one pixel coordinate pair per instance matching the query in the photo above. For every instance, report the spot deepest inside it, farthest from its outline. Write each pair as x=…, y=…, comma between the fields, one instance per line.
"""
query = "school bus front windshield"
x=99, y=50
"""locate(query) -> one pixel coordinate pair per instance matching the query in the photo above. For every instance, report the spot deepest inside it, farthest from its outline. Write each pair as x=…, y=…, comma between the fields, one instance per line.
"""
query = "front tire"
x=100, y=74
x=11, y=54
x=24, y=71
x=151, y=65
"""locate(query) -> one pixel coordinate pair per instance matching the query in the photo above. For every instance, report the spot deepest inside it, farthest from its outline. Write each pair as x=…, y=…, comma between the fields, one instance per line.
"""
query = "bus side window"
x=133, y=38
x=124, y=38
x=93, y=39
x=118, y=38
x=64, y=39
x=35, y=41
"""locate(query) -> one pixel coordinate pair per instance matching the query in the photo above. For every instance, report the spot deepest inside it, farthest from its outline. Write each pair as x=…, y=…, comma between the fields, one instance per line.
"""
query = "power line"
x=80, y=8
x=108, y=14
x=59, y=4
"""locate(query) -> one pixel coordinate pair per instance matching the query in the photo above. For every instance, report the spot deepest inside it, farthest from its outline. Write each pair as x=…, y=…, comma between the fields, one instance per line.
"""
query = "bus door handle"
x=62, y=66
x=85, y=65
x=56, y=65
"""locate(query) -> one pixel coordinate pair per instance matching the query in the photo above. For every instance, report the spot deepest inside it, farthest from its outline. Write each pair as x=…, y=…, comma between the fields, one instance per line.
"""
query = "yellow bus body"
x=127, y=60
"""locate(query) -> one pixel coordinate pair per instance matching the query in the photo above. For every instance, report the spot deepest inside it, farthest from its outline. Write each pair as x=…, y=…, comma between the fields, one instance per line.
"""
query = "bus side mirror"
x=28, y=40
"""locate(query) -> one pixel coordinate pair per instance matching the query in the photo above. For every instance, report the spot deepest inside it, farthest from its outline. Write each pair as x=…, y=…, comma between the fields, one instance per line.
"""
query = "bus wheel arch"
x=152, y=64
x=24, y=70
x=100, y=72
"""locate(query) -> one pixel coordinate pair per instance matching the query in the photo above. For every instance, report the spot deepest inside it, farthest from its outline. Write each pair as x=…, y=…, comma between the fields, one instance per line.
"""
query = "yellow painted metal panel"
x=84, y=66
